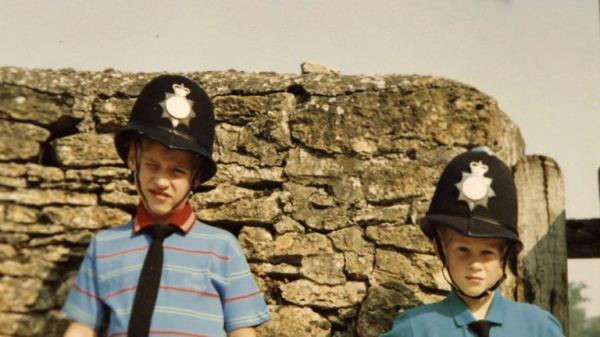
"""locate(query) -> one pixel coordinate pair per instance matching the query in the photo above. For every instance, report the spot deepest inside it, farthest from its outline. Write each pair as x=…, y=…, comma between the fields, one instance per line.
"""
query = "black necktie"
x=148, y=283
x=481, y=328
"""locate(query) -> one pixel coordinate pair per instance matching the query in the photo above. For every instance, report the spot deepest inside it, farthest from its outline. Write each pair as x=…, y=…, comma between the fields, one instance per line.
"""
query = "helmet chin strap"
x=138, y=158
x=455, y=286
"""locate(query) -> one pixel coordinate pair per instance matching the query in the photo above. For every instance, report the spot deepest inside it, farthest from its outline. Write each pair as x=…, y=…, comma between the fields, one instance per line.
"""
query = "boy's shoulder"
x=527, y=311
x=426, y=312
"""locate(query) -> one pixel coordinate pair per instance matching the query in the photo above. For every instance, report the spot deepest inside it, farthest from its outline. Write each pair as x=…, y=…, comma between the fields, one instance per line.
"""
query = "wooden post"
x=542, y=265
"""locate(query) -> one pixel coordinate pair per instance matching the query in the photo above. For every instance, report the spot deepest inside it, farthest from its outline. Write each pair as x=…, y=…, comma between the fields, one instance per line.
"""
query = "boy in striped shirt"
x=202, y=285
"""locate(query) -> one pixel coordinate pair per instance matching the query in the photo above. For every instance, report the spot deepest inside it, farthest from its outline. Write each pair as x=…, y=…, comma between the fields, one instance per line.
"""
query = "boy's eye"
x=463, y=249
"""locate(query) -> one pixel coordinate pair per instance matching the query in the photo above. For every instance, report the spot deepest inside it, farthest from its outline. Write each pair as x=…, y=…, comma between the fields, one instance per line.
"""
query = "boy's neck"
x=479, y=308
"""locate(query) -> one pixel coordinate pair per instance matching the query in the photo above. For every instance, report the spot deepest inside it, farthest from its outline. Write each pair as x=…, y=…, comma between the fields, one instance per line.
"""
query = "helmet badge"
x=475, y=188
x=177, y=107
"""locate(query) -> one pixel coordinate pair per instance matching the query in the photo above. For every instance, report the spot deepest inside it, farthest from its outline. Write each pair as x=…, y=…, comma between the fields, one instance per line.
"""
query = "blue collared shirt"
x=450, y=318
x=206, y=288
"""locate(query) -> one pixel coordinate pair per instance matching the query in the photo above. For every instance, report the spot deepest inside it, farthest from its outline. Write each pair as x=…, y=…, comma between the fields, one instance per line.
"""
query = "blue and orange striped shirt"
x=206, y=288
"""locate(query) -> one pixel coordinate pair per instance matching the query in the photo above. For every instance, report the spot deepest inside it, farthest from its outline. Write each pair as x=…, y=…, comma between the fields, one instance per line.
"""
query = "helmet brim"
x=475, y=227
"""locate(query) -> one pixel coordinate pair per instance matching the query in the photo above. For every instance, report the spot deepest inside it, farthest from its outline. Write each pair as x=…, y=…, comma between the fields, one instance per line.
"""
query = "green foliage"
x=579, y=324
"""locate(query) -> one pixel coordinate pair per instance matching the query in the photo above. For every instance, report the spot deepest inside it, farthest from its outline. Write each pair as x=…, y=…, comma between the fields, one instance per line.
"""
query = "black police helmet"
x=176, y=112
x=475, y=196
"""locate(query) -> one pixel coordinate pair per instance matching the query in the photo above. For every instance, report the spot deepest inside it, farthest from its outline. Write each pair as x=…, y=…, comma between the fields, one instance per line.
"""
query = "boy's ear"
x=436, y=249
x=197, y=180
x=131, y=158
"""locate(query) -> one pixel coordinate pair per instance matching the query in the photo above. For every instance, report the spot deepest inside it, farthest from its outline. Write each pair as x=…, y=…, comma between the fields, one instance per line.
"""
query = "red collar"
x=184, y=219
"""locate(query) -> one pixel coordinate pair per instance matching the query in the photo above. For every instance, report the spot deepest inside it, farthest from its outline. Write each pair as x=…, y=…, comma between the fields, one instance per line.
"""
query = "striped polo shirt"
x=206, y=288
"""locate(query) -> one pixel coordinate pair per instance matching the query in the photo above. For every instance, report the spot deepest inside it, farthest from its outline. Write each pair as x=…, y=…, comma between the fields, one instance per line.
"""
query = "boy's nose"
x=161, y=181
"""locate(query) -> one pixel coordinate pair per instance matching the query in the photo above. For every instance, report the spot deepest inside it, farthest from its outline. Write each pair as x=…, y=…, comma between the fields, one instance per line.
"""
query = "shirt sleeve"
x=83, y=303
x=243, y=302
x=552, y=327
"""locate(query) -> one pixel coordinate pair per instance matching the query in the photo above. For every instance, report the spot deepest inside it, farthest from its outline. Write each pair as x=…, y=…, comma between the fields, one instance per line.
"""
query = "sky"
x=539, y=59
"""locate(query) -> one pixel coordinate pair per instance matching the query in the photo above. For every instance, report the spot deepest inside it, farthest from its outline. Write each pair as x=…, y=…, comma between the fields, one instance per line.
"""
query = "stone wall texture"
x=323, y=178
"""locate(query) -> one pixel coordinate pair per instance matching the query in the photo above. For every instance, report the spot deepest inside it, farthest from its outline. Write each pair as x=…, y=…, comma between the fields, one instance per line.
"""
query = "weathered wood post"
x=542, y=265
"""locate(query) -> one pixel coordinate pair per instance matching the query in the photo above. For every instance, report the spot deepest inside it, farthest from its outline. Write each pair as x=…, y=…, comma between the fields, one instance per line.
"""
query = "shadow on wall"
x=544, y=278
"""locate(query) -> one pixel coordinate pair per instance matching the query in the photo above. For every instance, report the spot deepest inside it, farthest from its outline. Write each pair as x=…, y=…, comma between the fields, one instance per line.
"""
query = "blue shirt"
x=206, y=288
x=450, y=318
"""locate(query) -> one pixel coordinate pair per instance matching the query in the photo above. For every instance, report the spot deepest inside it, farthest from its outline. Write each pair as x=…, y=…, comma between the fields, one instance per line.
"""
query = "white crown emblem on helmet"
x=475, y=188
x=177, y=107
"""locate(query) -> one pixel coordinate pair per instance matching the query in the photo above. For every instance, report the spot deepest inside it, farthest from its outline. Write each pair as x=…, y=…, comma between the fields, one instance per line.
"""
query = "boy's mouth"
x=159, y=195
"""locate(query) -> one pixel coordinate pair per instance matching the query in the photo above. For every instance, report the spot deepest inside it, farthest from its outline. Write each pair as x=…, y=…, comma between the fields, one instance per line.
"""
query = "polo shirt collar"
x=463, y=316
x=184, y=219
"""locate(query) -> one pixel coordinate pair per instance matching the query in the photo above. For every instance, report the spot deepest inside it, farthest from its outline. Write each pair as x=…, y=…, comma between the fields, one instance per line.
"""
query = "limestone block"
x=314, y=68
x=14, y=299
x=28, y=325
x=72, y=186
x=236, y=204
x=256, y=242
x=13, y=238
x=112, y=113
x=259, y=143
x=32, y=172
x=280, y=269
x=24, y=104
x=36, y=197
x=324, y=269
x=351, y=239
x=85, y=149
x=102, y=175
x=379, y=214
x=21, y=141
x=358, y=267
x=268, y=115
x=50, y=253
x=39, y=173
x=21, y=214
x=304, y=292
x=409, y=237
x=78, y=238
x=34, y=228
x=7, y=251
x=303, y=164
x=315, y=207
x=380, y=307
x=13, y=182
x=300, y=244
x=393, y=181
x=392, y=267
x=91, y=217
x=239, y=82
x=292, y=321
x=119, y=199
x=337, y=86
x=247, y=176
x=12, y=170
x=259, y=244
x=35, y=268
x=287, y=224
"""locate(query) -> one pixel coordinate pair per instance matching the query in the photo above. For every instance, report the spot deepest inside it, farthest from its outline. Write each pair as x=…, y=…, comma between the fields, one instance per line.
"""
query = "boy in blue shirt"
x=472, y=221
x=165, y=273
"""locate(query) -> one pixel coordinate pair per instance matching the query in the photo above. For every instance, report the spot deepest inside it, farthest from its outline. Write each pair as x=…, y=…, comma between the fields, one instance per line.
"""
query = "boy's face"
x=165, y=177
x=475, y=263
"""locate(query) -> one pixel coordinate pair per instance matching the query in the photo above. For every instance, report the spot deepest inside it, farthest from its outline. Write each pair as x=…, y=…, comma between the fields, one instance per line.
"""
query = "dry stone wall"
x=322, y=177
